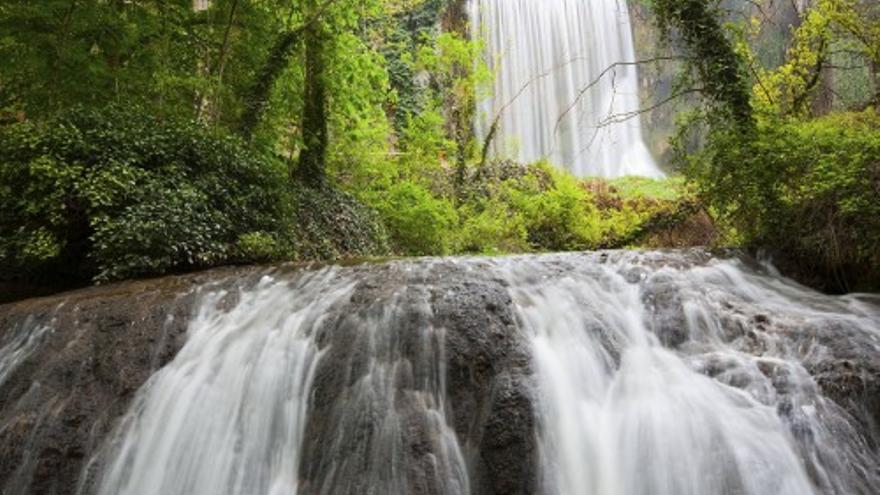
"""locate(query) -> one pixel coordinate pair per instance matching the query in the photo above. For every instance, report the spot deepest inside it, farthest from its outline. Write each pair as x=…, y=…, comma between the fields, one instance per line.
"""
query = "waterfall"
x=667, y=381
x=227, y=415
x=610, y=373
x=565, y=88
x=23, y=342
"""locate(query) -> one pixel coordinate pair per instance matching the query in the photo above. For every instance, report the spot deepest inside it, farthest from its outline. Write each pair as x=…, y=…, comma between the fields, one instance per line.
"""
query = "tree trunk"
x=258, y=99
x=310, y=168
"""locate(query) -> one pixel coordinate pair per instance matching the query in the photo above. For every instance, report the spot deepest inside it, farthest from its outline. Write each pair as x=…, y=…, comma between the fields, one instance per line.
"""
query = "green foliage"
x=645, y=188
x=514, y=208
x=113, y=194
x=418, y=222
x=329, y=224
x=262, y=246
x=806, y=188
x=559, y=217
x=785, y=89
x=60, y=53
x=711, y=55
x=492, y=226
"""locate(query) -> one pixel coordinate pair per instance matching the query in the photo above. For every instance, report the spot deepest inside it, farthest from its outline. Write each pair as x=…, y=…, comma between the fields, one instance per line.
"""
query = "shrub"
x=331, y=224
x=261, y=246
x=492, y=227
x=114, y=193
x=418, y=223
x=805, y=189
x=561, y=217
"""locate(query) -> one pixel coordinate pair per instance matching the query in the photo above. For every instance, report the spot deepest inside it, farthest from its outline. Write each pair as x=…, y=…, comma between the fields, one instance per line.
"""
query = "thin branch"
x=598, y=79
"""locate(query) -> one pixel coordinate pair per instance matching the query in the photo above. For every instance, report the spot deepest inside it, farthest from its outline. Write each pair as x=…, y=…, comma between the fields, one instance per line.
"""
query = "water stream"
x=708, y=394
x=226, y=416
x=654, y=375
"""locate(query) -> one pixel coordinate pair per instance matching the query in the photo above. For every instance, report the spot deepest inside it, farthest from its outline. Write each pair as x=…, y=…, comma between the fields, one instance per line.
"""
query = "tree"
x=711, y=55
x=312, y=158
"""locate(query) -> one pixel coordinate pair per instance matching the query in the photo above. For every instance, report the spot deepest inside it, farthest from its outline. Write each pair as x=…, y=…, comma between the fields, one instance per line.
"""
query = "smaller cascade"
x=226, y=416
x=22, y=342
x=662, y=374
x=566, y=88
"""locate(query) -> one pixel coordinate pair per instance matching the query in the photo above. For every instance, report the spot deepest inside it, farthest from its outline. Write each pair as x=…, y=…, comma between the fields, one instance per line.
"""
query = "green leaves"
x=114, y=194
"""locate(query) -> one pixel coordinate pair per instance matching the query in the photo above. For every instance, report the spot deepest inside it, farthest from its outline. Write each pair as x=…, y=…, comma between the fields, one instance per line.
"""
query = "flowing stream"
x=565, y=88
x=654, y=374
x=226, y=416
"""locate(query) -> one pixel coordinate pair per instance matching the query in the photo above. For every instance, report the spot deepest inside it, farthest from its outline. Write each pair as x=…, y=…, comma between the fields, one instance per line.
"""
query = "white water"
x=560, y=89
x=655, y=374
x=21, y=344
x=727, y=409
x=226, y=416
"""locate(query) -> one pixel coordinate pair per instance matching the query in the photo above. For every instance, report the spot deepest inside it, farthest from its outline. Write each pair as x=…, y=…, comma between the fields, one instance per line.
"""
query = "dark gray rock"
x=58, y=403
x=378, y=393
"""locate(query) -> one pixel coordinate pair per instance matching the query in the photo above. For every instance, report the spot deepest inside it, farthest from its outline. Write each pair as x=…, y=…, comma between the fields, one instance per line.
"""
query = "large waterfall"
x=616, y=373
x=565, y=88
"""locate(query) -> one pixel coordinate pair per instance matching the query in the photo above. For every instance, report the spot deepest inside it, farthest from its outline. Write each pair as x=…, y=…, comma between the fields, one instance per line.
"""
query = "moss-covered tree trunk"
x=311, y=166
x=257, y=100
x=718, y=65
x=460, y=111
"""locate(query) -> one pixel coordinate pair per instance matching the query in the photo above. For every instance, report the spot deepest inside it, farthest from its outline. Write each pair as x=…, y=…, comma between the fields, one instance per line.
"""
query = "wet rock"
x=102, y=344
x=474, y=414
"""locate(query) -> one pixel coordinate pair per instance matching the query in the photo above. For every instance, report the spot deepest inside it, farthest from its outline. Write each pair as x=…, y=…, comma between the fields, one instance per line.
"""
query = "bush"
x=492, y=227
x=331, y=224
x=804, y=189
x=560, y=217
x=115, y=193
x=509, y=207
x=418, y=223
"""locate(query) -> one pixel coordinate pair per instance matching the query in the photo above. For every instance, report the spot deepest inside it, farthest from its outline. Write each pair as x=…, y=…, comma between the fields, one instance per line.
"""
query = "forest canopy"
x=142, y=137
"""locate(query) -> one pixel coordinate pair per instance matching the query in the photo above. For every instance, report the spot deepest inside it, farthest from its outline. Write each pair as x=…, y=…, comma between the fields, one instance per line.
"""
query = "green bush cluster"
x=807, y=189
x=535, y=208
x=505, y=207
x=115, y=193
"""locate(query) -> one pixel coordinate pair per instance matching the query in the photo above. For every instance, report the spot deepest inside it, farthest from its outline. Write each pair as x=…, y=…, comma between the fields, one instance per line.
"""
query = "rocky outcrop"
x=425, y=382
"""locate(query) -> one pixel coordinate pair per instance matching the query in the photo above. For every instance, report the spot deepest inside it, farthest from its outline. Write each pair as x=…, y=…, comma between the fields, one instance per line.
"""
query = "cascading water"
x=658, y=373
x=23, y=342
x=663, y=380
x=565, y=89
x=226, y=416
